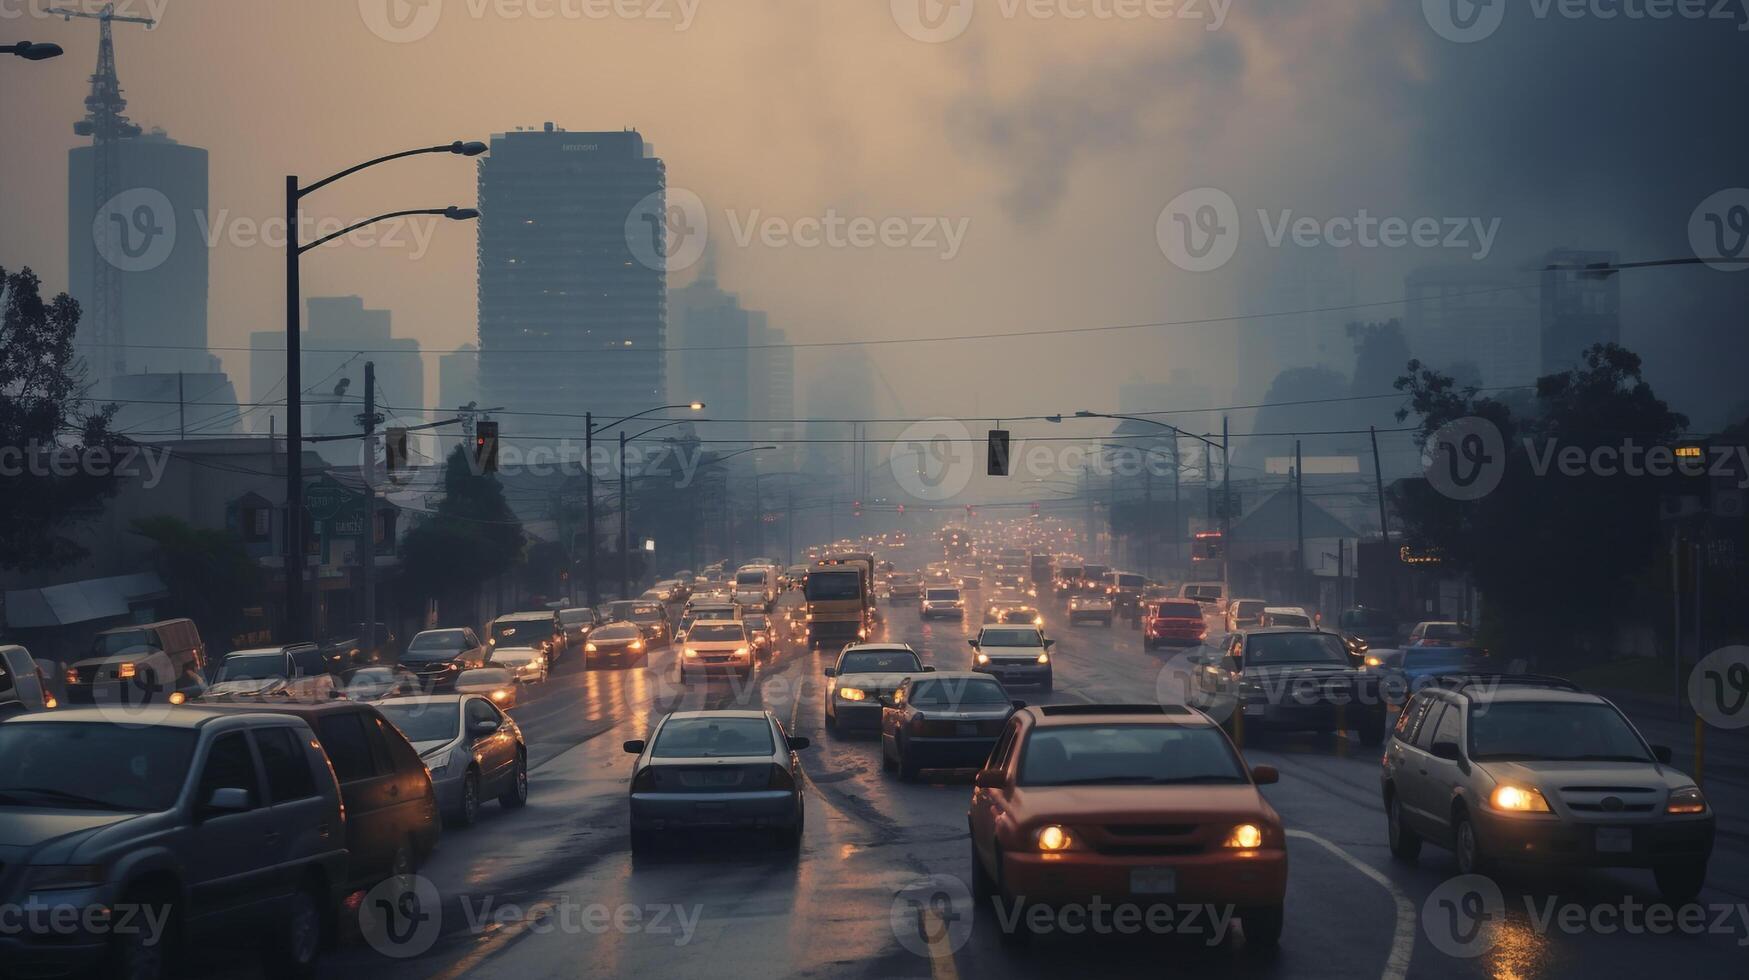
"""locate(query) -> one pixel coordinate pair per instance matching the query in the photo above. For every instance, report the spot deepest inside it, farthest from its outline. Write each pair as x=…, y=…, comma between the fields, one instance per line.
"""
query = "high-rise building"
x=340, y=335
x=1579, y=309
x=1460, y=314
x=710, y=360
x=571, y=319
x=149, y=234
x=774, y=378
x=1296, y=299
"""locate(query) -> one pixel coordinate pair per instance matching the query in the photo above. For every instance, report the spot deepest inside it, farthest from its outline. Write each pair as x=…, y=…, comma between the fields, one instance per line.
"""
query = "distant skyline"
x=1048, y=147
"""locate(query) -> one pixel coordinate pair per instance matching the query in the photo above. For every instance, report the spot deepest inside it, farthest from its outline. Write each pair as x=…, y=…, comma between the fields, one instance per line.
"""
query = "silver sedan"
x=716, y=770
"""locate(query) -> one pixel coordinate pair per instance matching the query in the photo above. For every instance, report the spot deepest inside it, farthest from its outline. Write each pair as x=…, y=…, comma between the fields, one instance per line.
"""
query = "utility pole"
x=294, y=426
x=181, y=414
x=1378, y=479
x=789, y=520
x=368, y=544
x=1299, y=526
x=625, y=525
x=1226, y=509
x=594, y=592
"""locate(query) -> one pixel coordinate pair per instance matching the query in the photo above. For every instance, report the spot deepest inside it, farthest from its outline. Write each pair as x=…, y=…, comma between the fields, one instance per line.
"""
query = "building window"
x=257, y=524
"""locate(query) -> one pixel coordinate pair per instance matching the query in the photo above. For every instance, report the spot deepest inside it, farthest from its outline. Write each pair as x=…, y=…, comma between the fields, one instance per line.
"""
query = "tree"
x=208, y=571
x=55, y=460
x=473, y=537
x=1556, y=556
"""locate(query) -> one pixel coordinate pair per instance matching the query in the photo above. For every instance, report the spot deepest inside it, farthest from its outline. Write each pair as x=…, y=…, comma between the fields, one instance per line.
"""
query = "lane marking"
x=496, y=943
x=1403, y=939
x=940, y=952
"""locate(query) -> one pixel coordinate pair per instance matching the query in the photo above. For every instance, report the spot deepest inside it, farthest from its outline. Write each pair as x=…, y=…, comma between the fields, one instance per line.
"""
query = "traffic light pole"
x=594, y=592
x=368, y=542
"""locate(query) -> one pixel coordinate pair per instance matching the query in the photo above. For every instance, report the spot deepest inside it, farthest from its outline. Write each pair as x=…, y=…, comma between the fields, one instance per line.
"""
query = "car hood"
x=1291, y=671
x=1028, y=651
x=716, y=646
x=515, y=655
x=47, y=836
x=973, y=713
x=1118, y=804
x=1554, y=774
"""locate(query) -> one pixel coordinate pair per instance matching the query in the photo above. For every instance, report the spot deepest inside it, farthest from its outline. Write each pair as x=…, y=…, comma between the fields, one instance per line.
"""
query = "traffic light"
x=856, y=508
x=486, y=446
x=395, y=449
x=1035, y=508
x=997, y=462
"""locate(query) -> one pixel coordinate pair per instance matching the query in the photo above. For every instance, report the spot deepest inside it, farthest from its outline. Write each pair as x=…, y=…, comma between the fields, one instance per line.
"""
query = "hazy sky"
x=1050, y=142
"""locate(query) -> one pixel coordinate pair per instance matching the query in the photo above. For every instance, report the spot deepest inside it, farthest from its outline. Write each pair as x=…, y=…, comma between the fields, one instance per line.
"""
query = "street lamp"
x=31, y=51
x=625, y=514
x=294, y=381
x=589, y=430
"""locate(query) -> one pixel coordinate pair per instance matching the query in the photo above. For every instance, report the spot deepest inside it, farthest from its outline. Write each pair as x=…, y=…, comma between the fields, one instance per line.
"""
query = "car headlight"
x=62, y=877
x=1686, y=800
x=983, y=658
x=853, y=694
x=743, y=651
x=1044, y=658
x=589, y=648
x=1372, y=661
x=1245, y=837
x=1054, y=837
x=637, y=645
x=691, y=653
x=1519, y=799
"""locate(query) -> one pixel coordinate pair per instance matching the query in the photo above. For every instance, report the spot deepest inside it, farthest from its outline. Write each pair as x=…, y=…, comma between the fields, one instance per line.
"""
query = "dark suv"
x=206, y=826
x=1289, y=679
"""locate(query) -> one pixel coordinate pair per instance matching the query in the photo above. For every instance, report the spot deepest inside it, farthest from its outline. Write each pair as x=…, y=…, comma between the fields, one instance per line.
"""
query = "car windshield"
x=645, y=613
x=1019, y=616
x=755, y=621
x=825, y=586
x=1249, y=607
x=1010, y=638
x=439, y=642
x=715, y=633
x=878, y=662
x=93, y=765
x=1446, y=631
x=574, y=617
x=943, y=595
x=522, y=630
x=484, y=677
x=1265, y=649
x=1286, y=619
x=424, y=721
x=944, y=691
x=711, y=738
x=1127, y=754
x=1180, y=610
x=252, y=667
x=617, y=631
x=124, y=641
x=1131, y=581
x=750, y=578
x=1570, y=730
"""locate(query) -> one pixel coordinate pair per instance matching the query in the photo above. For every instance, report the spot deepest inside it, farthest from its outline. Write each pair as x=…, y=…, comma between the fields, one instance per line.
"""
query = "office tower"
x=340, y=335
x=1460, y=314
x=571, y=318
x=1579, y=309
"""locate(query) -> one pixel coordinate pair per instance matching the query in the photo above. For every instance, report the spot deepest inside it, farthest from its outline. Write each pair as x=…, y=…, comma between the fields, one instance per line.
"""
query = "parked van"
x=756, y=586
x=165, y=660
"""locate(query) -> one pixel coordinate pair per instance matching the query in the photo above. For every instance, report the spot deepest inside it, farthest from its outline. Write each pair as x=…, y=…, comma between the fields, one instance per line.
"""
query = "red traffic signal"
x=486, y=446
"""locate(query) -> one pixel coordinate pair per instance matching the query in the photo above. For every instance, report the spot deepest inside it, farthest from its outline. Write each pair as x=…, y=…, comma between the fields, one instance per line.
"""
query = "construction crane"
x=107, y=126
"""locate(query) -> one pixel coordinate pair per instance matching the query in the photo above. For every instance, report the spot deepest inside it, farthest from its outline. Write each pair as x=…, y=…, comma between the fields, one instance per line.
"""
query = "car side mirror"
x=633, y=746
x=886, y=701
x=228, y=799
x=1447, y=750
x=929, y=668
x=799, y=742
x=1018, y=704
x=482, y=728
x=1663, y=754
x=1050, y=643
x=1265, y=775
x=830, y=672
x=989, y=779
x=972, y=643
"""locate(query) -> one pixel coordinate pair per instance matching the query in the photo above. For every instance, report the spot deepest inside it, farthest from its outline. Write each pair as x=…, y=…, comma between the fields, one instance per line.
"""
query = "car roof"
x=302, y=709
x=427, y=699
x=548, y=614
x=878, y=648
x=1061, y=715
x=185, y=716
x=720, y=713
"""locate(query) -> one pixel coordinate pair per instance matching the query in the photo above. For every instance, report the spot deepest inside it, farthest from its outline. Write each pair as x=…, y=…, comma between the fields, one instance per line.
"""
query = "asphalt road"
x=878, y=889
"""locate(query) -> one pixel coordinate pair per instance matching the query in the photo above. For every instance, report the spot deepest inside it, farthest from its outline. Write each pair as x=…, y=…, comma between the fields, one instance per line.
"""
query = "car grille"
x=1609, y=799
x=1150, y=829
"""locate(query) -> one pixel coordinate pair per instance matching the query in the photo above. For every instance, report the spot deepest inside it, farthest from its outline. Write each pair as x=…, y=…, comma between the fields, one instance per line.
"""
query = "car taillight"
x=645, y=780
x=780, y=778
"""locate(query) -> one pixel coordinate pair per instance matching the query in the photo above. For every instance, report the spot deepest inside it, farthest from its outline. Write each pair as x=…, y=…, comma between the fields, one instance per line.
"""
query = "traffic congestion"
x=814, y=764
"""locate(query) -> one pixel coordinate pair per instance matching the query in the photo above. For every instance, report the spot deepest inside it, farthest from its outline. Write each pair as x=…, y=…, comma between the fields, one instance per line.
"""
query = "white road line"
x=1403, y=940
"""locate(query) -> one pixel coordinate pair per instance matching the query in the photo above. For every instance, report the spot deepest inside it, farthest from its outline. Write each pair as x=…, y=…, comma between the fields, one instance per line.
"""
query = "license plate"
x=1615, y=840
x=966, y=728
x=1153, y=881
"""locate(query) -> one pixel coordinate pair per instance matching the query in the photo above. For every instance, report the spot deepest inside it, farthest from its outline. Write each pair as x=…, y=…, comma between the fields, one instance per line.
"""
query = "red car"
x=1173, y=621
x=1144, y=804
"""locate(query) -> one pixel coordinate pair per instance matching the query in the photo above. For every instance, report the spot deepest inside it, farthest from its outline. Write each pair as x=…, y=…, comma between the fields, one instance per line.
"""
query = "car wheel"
x=1262, y=926
x=1014, y=932
x=886, y=757
x=907, y=769
x=130, y=956
x=468, y=813
x=1680, y=882
x=1466, y=846
x=1405, y=842
x=643, y=843
x=516, y=796
x=298, y=944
